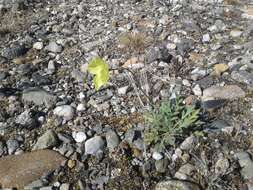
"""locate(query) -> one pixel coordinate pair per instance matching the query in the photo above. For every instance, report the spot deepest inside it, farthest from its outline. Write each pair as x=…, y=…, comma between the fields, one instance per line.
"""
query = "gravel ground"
x=55, y=125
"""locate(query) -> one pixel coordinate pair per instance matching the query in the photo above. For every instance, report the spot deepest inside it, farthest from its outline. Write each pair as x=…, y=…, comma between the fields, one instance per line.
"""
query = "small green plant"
x=170, y=120
x=100, y=69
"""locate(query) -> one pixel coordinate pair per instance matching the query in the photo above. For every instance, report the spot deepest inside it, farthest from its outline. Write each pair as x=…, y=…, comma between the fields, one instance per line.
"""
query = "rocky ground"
x=156, y=49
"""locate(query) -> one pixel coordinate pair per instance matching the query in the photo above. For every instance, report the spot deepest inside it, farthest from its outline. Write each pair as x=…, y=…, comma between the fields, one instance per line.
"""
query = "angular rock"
x=20, y=170
x=93, y=145
x=25, y=119
x=246, y=164
x=38, y=97
x=224, y=92
x=47, y=140
x=13, y=52
x=54, y=47
x=176, y=185
x=112, y=139
x=65, y=111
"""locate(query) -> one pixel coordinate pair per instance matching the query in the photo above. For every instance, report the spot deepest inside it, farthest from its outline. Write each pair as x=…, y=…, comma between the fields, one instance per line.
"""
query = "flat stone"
x=176, y=185
x=39, y=97
x=224, y=92
x=13, y=52
x=47, y=140
x=20, y=170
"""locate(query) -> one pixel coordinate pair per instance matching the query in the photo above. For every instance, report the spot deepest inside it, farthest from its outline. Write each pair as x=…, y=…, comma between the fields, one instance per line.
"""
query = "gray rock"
x=112, y=140
x=223, y=92
x=39, y=97
x=185, y=172
x=221, y=166
x=213, y=104
x=47, y=140
x=26, y=120
x=176, y=185
x=54, y=47
x=13, y=52
x=34, y=185
x=161, y=165
x=25, y=69
x=188, y=143
x=65, y=111
x=65, y=186
x=47, y=188
x=12, y=145
x=246, y=164
x=93, y=145
x=243, y=77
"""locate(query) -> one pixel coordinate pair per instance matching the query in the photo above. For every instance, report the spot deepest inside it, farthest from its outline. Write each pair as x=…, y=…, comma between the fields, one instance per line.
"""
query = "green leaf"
x=100, y=69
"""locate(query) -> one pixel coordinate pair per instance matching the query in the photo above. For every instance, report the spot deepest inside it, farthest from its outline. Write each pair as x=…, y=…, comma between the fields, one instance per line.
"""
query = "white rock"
x=186, y=82
x=93, y=145
x=197, y=90
x=157, y=156
x=235, y=33
x=80, y=107
x=65, y=111
x=206, y=38
x=79, y=136
x=38, y=45
x=123, y=90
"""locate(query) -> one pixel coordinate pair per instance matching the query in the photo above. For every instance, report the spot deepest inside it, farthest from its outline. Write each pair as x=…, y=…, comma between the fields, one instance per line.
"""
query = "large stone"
x=39, y=97
x=224, y=92
x=176, y=185
x=47, y=140
x=20, y=170
x=243, y=77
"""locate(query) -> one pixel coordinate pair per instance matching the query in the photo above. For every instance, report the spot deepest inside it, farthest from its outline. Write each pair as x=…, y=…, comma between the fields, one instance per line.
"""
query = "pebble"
x=81, y=107
x=123, y=90
x=197, y=90
x=65, y=186
x=12, y=145
x=188, y=143
x=54, y=47
x=13, y=52
x=157, y=156
x=47, y=140
x=206, y=38
x=38, y=45
x=65, y=111
x=235, y=33
x=94, y=144
x=26, y=120
x=79, y=136
x=112, y=139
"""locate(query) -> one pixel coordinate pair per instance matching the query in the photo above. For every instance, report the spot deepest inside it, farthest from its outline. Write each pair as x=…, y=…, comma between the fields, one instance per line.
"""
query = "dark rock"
x=213, y=104
x=40, y=80
x=13, y=52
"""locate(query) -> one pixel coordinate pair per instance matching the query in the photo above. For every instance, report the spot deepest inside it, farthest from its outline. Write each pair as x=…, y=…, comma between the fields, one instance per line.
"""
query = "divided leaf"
x=100, y=69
